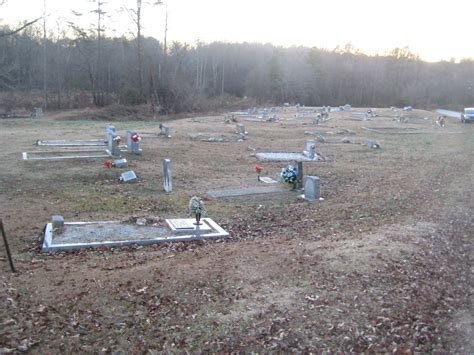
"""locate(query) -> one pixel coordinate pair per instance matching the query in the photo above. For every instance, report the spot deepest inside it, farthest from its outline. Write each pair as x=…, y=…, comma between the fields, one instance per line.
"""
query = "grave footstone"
x=133, y=143
x=167, y=179
x=128, y=176
x=311, y=188
x=120, y=163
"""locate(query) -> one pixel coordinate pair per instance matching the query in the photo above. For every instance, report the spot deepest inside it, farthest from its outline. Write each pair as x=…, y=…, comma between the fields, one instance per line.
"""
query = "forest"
x=80, y=67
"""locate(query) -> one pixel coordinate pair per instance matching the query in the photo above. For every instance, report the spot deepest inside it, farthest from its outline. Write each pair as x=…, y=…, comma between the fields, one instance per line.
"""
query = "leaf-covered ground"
x=383, y=263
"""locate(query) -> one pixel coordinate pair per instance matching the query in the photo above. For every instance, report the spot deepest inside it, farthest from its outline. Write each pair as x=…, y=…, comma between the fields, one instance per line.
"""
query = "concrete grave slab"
x=237, y=192
x=287, y=157
x=64, y=155
x=78, y=235
x=72, y=143
x=268, y=180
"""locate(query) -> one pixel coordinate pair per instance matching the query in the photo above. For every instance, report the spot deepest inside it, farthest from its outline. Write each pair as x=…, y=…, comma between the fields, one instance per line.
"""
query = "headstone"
x=165, y=131
x=37, y=112
x=58, y=221
x=372, y=144
x=347, y=107
x=133, y=143
x=128, y=176
x=110, y=130
x=311, y=188
x=272, y=117
x=113, y=145
x=120, y=163
x=408, y=108
x=310, y=149
x=241, y=129
x=167, y=180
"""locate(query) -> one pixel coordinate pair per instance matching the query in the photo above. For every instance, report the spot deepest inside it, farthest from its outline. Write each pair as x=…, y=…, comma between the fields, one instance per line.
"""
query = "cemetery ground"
x=383, y=263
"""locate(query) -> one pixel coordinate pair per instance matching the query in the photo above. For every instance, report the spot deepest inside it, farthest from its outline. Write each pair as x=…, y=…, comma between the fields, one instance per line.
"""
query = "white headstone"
x=311, y=188
x=310, y=149
x=128, y=176
x=110, y=130
x=133, y=147
x=167, y=179
x=113, y=145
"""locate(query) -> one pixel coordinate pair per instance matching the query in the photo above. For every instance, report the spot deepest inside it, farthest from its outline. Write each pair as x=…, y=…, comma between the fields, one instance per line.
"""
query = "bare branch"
x=20, y=28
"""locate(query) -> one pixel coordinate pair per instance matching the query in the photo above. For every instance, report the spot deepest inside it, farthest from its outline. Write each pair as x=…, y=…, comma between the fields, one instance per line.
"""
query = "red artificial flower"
x=136, y=138
x=108, y=164
x=258, y=168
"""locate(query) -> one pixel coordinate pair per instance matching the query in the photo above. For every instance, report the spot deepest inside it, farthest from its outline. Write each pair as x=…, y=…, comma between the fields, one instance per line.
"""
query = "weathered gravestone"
x=113, y=141
x=165, y=131
x=167, y=179
x=241, y=130
x=37, y=112
x=133, y=143
x=311, y=188
x=128, y=176
x=120, y=163
x=310, y=149
x=110, y=130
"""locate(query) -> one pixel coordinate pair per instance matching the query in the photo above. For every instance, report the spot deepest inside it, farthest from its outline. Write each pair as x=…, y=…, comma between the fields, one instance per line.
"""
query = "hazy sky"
x=435, y=29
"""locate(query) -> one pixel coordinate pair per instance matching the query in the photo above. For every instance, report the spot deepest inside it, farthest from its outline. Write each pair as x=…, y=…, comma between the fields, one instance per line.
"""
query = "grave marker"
x=110, y=130
x=241, y=130
x=165, y=130
x=167, y=179
x=120, y=163
x=310, y=149
x=128, y=176
x=37, y=112
x=133, y=143
x=113, y=145
x=311, y=188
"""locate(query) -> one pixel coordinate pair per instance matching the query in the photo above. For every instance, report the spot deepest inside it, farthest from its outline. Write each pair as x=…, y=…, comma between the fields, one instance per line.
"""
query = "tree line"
x=81, y=67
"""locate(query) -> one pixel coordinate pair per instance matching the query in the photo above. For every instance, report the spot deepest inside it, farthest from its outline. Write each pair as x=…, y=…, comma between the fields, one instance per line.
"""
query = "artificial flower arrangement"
x=258, y=170
x=117, y=139
x=196, y=207
x=136, y=138
x=289, y=175
x=108, y=164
